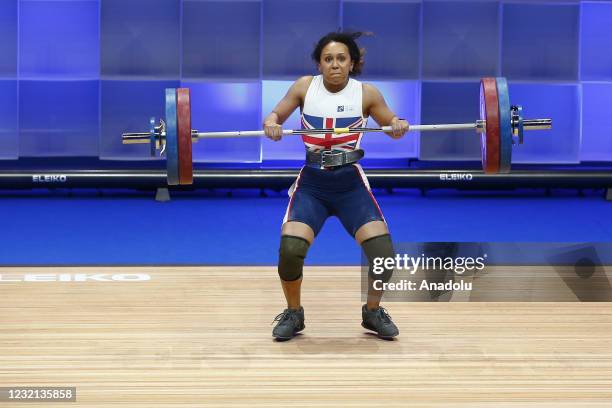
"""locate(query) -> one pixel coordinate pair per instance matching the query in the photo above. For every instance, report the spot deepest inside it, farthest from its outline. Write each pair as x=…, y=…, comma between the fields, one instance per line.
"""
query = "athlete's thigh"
x=305, y=215
x=358, y=208
x=298, y=229
x=370, y=230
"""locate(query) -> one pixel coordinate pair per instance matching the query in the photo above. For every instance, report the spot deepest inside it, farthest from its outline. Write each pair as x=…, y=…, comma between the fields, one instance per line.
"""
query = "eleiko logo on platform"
x=49, y=178
x=76, y=277
x=456, y=177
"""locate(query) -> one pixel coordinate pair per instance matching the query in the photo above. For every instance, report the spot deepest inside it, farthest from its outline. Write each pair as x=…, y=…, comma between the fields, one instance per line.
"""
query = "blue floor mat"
x=215, y=229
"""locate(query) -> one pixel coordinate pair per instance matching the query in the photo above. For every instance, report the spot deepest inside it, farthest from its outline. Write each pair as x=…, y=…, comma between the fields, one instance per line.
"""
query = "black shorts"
x=343, y=192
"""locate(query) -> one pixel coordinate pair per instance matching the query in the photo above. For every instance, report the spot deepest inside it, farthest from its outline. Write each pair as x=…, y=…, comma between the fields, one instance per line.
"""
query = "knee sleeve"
x=376, y=249
x=291, y=257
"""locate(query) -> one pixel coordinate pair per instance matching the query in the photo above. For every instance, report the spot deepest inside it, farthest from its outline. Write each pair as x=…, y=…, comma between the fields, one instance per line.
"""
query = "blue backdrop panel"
x=450, y=102
x=289, y=147
x=221, y=39
x=224, y=106
x=596, y=122
x=58, y=118
x=126, y=106
x=8, y=38
x=450, y=43
x=393, y=51
x=59, y=38
x=460, y=39
x=403, y=98
x=140, y=38
x=540, y=41
x=8, y=120
x=561, y=102
x=289, y=34
x=596, y=37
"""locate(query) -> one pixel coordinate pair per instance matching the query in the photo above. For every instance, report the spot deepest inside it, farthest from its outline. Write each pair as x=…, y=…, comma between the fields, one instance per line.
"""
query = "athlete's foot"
x=290, y=322
x=379, y=321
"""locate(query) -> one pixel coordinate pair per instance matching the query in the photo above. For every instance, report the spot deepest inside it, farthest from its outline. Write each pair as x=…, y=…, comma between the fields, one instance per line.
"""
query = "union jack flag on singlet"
x=345, y=142
x=324, y=109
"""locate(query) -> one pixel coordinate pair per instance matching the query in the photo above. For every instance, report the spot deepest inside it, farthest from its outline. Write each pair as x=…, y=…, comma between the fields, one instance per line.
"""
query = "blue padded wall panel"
x=596, y=122
x=545, y=43
x=289, y=34
x=561, y=103
x=289, y=147
x=59, y=38
x=450, y=102
x=8, y=38
x=596, y=39
x=403, y=98
x=8, y=120
x=58, y=118
x=224, y=106
x=460, y=39
x=140, y=38
x=126, y=106
x=540, y=41
x=216, y=45
x=393, y=51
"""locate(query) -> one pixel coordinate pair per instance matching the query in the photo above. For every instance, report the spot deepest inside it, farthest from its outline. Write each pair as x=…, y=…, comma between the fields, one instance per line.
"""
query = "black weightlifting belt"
x=325, y=159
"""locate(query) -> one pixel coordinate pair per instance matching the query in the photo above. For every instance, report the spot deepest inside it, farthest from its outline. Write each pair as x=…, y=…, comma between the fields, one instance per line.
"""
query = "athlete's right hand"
x=273, y=131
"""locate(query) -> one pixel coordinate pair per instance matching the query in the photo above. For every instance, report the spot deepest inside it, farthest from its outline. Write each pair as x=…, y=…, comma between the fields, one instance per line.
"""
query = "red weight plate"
x=490, y=138
x=183, y=113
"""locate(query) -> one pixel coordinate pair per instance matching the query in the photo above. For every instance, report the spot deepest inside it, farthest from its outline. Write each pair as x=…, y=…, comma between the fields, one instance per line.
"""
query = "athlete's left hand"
x=399, y=127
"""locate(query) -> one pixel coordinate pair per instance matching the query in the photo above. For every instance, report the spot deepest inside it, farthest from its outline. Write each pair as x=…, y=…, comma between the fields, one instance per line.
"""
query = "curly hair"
x=347, y=38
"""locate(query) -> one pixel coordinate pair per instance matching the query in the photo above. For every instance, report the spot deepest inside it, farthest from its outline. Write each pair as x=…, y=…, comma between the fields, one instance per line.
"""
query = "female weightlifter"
x=332, y=182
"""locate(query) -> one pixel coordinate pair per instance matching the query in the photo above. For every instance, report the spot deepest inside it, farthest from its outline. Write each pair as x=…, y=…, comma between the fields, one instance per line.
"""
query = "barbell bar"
x=142, y=137
x=500, y=125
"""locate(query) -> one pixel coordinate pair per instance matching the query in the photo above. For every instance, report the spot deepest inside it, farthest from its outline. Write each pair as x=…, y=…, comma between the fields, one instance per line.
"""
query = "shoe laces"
x=284, y=315
x=384, y=314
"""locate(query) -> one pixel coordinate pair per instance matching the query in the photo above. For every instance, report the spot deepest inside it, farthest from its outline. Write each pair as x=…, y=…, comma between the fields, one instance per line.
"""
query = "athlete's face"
x=335, y=64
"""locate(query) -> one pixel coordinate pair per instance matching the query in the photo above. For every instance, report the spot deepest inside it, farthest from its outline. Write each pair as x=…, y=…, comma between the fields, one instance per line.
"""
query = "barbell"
x=501, y=126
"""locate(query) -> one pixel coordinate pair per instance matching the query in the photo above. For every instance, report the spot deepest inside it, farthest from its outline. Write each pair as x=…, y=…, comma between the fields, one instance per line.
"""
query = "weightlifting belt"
x=325, y=159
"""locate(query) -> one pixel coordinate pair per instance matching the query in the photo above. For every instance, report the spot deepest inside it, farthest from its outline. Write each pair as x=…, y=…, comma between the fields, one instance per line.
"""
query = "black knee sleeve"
x=291, y=257
x=378, y=249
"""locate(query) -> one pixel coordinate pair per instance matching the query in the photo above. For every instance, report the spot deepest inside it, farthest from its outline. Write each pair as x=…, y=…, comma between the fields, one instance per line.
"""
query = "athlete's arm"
x=295, y=97
x=376, y=107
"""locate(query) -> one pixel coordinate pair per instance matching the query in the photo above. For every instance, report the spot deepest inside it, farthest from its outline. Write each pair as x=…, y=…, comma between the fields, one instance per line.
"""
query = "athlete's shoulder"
x=305, y=78
x=300, y=86
x=304, y=81
x=369, y=89
x=371, y=94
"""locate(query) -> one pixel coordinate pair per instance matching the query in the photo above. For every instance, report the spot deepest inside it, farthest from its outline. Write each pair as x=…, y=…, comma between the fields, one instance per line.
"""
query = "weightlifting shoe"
x=290, y=322
x=379, y=321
